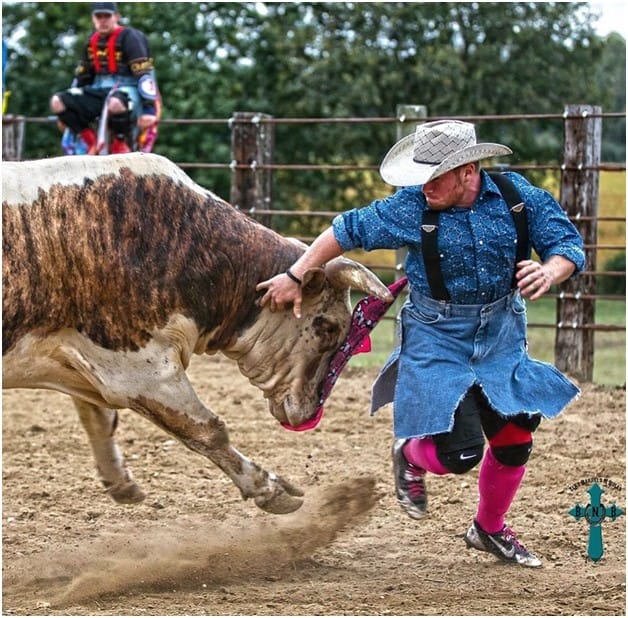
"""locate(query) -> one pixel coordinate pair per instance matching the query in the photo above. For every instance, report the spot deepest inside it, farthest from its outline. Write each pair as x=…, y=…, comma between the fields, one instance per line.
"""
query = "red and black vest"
x=112, y=64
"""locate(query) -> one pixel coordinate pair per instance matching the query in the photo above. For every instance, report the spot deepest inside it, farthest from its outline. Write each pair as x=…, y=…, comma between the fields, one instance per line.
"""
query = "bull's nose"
x=309, y=424
x=291, y=412
x=278, y=411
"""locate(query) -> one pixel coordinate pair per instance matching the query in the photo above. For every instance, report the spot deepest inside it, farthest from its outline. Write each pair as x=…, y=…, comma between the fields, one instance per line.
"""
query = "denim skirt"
x=445, y=349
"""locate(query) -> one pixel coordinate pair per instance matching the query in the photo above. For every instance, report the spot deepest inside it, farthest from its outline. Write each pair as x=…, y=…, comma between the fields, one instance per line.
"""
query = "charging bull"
x=117, y=269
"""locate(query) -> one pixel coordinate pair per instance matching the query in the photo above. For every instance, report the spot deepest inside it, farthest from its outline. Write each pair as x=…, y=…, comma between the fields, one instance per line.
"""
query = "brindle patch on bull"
x=115, y=256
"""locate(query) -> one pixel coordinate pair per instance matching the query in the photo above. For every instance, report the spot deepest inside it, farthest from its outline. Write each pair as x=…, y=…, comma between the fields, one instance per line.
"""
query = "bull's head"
x=288, y=358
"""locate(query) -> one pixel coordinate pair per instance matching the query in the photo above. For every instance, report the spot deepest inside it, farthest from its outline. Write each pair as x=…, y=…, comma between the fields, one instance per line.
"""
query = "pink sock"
x=497, y=486
x=421, y=452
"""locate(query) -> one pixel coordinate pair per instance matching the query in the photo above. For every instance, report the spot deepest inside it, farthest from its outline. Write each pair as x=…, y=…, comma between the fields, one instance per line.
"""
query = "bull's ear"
x=345, y=273
x=313, y=281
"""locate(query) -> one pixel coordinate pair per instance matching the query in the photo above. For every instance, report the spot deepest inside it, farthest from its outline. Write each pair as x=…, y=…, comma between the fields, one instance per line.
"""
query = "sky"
x=612, y=17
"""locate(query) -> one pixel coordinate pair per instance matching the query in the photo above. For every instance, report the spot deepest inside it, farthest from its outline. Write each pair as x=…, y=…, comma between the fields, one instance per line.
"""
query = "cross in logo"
x=595, y=513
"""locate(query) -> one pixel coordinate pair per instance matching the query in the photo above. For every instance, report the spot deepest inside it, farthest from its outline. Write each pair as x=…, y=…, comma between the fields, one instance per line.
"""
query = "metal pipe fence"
x=252, y=166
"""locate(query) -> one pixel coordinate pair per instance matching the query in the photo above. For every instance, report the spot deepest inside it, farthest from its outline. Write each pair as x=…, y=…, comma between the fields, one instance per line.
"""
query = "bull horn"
x=345, y=273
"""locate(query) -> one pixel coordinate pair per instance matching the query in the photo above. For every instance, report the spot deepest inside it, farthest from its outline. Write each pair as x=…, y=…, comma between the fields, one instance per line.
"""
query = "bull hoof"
x=280, y=504
x=128, y=493
x=285, y=498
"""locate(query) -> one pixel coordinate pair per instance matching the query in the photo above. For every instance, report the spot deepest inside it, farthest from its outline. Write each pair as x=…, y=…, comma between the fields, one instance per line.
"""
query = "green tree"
x=327, y=59
x=607, y=284
x=611, y=79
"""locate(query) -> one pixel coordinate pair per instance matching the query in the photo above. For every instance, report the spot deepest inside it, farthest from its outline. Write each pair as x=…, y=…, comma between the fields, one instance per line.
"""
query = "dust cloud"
x=188, y=553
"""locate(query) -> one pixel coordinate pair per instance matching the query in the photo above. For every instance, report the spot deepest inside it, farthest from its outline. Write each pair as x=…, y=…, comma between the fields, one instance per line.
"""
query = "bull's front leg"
x=100, y=425
x=178, y=411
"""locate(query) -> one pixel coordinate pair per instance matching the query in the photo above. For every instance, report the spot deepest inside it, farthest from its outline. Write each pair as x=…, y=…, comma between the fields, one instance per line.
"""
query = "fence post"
x=12, y=137
x=579, y=196
x=408, y=117
x=252, y=144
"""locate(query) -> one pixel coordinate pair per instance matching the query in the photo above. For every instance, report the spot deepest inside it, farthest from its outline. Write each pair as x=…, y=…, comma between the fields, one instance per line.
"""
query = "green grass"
x=609, y=361
x=612, y=204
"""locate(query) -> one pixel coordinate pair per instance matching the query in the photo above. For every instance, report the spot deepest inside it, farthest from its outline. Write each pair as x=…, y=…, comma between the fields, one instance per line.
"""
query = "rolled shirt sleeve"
x=551, y=231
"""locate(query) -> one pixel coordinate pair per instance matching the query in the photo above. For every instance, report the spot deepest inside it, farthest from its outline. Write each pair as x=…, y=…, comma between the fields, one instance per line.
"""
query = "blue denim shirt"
x=477, y=244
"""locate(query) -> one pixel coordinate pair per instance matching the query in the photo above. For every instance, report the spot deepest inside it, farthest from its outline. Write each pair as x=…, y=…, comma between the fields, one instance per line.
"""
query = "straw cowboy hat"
x=435, y=148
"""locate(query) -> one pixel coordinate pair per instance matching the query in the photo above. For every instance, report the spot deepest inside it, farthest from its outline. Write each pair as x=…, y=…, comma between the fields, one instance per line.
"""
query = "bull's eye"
x=326, y=333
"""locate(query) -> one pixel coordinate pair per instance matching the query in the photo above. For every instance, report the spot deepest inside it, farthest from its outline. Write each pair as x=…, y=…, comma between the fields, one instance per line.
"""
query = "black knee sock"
x=72, y=120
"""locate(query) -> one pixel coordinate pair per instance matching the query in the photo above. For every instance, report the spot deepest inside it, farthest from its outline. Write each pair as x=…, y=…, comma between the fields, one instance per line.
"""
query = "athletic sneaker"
x=503, y=544
x=409, y=483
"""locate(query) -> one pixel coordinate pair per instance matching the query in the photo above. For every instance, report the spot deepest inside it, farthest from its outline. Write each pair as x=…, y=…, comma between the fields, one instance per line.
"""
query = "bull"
x=116, y=270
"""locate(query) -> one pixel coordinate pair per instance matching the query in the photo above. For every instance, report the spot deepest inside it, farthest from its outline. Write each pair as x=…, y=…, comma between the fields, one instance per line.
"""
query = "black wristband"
x=293, y=277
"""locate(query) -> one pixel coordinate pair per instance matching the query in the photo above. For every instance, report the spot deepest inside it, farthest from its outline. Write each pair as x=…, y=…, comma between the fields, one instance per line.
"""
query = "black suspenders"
x=431, y=256
x=519, y=215
x=429, y=236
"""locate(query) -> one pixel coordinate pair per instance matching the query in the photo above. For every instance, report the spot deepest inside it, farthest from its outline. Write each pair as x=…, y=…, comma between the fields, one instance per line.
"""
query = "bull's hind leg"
x=100, y=425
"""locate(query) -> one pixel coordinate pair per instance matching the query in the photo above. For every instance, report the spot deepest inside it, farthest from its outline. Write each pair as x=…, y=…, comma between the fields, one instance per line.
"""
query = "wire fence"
x=252, y=165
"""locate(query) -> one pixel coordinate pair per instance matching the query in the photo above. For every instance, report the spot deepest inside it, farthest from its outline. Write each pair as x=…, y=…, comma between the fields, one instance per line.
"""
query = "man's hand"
x=281, y=291
x=534, y=279
x=146, y=120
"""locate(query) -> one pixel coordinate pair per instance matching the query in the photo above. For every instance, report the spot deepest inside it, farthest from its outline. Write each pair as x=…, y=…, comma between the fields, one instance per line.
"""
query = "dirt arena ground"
x=195, y=548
